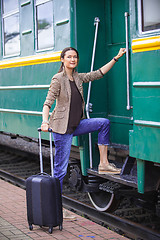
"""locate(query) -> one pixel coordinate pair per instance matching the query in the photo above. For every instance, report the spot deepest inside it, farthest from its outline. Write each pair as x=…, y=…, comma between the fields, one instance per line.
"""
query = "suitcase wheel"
x=60, y=227
x=50, y=230
x=30, y=227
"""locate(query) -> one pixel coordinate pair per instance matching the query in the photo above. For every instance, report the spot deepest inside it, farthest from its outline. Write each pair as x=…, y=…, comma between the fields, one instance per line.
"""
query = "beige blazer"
x=60, y=91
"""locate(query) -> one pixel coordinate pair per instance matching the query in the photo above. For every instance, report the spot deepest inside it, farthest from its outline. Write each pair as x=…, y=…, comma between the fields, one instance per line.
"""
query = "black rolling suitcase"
x=43, y=194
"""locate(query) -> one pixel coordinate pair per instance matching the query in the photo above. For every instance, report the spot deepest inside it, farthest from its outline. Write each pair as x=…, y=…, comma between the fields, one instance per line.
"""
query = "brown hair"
x=63, y=54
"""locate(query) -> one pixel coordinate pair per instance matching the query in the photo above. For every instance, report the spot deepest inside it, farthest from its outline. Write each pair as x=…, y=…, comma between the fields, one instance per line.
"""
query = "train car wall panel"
x=25, y=79
x=144, y=142
x=146, y=106
x=23, y=105
x=21, y=123
x=145, y=137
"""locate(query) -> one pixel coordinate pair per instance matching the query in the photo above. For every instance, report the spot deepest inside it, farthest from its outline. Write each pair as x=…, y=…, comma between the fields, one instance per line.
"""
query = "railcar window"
x=44, y=24
x=150, y=15
x=10, y=23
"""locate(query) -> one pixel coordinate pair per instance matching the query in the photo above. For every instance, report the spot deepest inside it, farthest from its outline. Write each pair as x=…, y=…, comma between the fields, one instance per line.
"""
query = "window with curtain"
x=10, y=27
x=44, y=24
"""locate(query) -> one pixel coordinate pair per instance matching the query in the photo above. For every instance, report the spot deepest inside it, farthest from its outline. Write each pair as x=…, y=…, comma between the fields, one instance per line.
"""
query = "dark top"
x=75, y=113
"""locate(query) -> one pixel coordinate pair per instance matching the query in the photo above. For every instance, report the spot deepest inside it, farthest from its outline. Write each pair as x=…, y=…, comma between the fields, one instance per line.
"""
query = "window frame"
x=38, y=3
x=140, y=18
x=3, y=16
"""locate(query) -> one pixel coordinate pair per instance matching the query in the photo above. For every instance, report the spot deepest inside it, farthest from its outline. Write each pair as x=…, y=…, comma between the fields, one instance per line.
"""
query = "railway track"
x=16, y=165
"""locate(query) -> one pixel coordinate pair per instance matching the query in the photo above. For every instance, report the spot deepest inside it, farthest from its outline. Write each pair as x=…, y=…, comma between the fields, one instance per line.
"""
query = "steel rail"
x=111, y=220
x=20, y=182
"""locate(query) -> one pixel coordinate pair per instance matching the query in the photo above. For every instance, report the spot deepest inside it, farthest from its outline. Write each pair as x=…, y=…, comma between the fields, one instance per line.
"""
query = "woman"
x=67, y=119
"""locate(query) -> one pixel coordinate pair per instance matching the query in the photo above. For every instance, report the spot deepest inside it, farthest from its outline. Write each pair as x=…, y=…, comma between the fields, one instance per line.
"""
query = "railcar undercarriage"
x=107, y=191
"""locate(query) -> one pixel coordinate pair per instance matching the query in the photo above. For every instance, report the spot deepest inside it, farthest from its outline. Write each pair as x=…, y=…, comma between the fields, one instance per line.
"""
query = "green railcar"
x=33, y=34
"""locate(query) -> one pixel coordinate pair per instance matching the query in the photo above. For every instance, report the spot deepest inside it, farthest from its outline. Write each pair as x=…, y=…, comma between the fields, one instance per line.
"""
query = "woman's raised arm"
x=110, y=64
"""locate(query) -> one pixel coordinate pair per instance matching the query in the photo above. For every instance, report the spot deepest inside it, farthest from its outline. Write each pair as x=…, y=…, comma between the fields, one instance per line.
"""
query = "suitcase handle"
x=49, y=130
x=44, y=173
x=51, y=151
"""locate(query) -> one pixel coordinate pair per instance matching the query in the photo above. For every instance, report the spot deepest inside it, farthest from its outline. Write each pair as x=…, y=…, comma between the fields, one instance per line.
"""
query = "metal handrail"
x=127, y=61
x=88, y=104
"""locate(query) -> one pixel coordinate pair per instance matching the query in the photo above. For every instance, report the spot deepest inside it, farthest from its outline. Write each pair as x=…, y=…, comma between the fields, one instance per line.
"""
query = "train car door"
x=120, y=117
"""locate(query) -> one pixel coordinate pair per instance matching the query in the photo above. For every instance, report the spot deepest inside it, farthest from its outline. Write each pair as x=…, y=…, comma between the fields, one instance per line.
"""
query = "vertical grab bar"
x=88, y=105
x=127, y=60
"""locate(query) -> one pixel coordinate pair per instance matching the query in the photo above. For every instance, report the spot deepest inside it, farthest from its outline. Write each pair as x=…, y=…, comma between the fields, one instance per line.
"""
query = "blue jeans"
x=63, y=142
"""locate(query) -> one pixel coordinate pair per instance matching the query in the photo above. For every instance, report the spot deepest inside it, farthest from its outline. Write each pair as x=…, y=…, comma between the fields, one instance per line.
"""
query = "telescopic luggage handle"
x=51, y=151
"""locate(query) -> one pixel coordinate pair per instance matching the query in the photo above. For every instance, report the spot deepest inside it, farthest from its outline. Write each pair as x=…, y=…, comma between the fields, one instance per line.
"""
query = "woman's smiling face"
x=70, y=59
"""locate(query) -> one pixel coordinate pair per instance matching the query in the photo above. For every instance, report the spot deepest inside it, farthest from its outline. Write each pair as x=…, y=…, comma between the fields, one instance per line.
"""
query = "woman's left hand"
x=121, y=52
